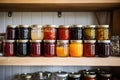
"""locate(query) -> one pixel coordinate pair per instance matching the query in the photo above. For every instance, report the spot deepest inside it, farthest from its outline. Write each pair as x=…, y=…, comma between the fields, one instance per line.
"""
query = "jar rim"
x=23, y=26
x=11, y=26
x=63, y=26
x=77, y=26
x=90, y=75
x=54, y=26
x=104, y=26
x=36, y=26
x=74, y=75
x=10, y=41
x=89, y=41
x=63, y=41
x=90, y=26
x=22, y=40
x=77, y=41
x=103, y=41
x=35, y=40
x=49, y=41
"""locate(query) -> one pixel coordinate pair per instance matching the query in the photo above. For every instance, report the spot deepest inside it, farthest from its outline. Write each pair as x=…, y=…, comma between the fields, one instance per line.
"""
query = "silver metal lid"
x=35, y=40
x=11, y=26
x=76, y=26
x=10, y=41
x=103, y=41
x=89, y=41
x=61, y=74
x=74, y=75
x=62, y=41
x=49, y=41
x=23, y=26
x=90, y=75
x=22, y=40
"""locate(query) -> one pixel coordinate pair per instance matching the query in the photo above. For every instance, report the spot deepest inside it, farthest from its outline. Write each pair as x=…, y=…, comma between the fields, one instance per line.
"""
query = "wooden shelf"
x=58, y=5
x=58, y=61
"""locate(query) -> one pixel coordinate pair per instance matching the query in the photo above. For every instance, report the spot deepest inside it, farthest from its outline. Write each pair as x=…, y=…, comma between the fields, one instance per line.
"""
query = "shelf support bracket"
x=9, y=14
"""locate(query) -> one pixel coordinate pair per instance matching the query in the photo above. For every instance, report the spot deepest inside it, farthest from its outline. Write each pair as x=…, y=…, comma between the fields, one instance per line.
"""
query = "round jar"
x=49, y=48
x=63, y=32
x=90, y=76
x=9, y=47
x=35, y=48
x=10, y=32
x=37, y=32
x=105, y=76
x=89, y=32
x=102, y=32
x=50, y=32
x=22, y=48
x=62, y=49
x=76, y=32
x=103, y=48
x=74, y=76
x=89, y=48
x=24, y=32
x=76, y=48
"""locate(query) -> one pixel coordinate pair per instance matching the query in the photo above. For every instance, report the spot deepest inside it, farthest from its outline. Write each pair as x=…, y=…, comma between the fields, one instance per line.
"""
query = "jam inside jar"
x=49, y=48
x=35, y=47
x=8, y=47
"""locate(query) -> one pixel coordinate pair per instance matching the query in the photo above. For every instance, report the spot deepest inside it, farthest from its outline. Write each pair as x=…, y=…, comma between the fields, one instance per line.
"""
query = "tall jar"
x=22, y=48
x=76, y=48
x=103, y=48
x=9, y=47
x=62, y=49
x=89, y=48
x=24, y=32
x=89, y=32
x=74, y=76
x=50, y=32
x=10, y=32
x=35, y=48
x=76, y=32
x=49, y=48
x=37, y=32
x=102, y=32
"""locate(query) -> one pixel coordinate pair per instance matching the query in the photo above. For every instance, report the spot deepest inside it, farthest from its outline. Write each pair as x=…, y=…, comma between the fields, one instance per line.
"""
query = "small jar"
x=35, y=48
x=105, y=76
x=103, y=48
x=102, y=32
x=10, y=32
x=49, y=48
x=50, y=32
x=37, y=32
x=8, y=47
x=74, y=76
x=76, y=32
x=62, y=49
x=89, y=32
x=89, y=48
x=63, y=32
x=24, y=32
x=76, y=48
x=90, y=76
x=22, y=48
x=61, y=75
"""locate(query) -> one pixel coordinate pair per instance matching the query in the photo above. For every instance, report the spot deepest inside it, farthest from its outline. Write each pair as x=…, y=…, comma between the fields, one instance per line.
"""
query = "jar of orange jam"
x=62, y=49
x=76, y=48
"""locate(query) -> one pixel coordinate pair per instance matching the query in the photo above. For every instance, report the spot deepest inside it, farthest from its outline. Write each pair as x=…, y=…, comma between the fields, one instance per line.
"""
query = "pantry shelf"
x=59, y=61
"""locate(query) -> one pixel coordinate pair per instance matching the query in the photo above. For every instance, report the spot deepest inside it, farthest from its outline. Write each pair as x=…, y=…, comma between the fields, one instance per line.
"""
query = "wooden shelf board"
x=59, y=61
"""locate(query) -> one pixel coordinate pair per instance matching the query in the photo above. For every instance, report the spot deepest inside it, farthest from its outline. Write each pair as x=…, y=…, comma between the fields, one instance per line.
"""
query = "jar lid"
x=35, y=40
x=10, y=41
x=76, y=41
x=63, y=41
x=90, y=26
x=23, y=26
x=64, y=26
x=74, y=75
x=61, y=74
x=28, y=76
x=104, y=26
x=49, y=41
x=89, y=41
x=50, y=26
x=36, y=26
x=103, y=41
x=22, y=40
x=77, y=26
x=11, y=26
x=106, y=75
x=90, y=75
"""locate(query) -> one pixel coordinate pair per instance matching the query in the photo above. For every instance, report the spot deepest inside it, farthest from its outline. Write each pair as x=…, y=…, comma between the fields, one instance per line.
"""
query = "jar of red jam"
x=63, y=32
x=90, y=76
x=35, y=48
x=50, y=32
x=10, y=32
x=8, y=47
x=103, y=48
x=49, y=48
x=89, y=48
x=105, y=76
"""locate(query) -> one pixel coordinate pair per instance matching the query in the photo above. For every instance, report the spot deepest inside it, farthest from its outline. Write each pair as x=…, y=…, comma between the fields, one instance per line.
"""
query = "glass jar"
x=105, y=76
x=74, y=76
x=10, y=32
x=22, y=48
x=24, y=32
x=35, y=48
x=89, y=48
x=103, y=48
x=115, y=46
x=89, y=32
x=63, y=32
x=76, y=32
x=2, y=37
x=8, y=47
x=47, y=75
x=76, y=48
x=62, y=49
x=61, y=75
x=49, y=48
x=36, y=32
x=50, y=32
x=90, y=76
x=102, y=32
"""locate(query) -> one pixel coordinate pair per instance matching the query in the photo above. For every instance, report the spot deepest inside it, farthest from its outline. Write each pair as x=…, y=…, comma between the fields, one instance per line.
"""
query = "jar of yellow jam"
x=76, y=48
x=62, y=49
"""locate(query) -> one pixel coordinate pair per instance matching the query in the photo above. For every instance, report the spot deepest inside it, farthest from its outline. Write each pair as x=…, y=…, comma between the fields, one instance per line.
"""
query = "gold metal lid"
x=76, y=26
x=89, y=41
x=103, y=26
x=35, y=40
x=11, y=26
x=76, y=41
x=62, y=41
x=22, y=40
x=90, y=26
